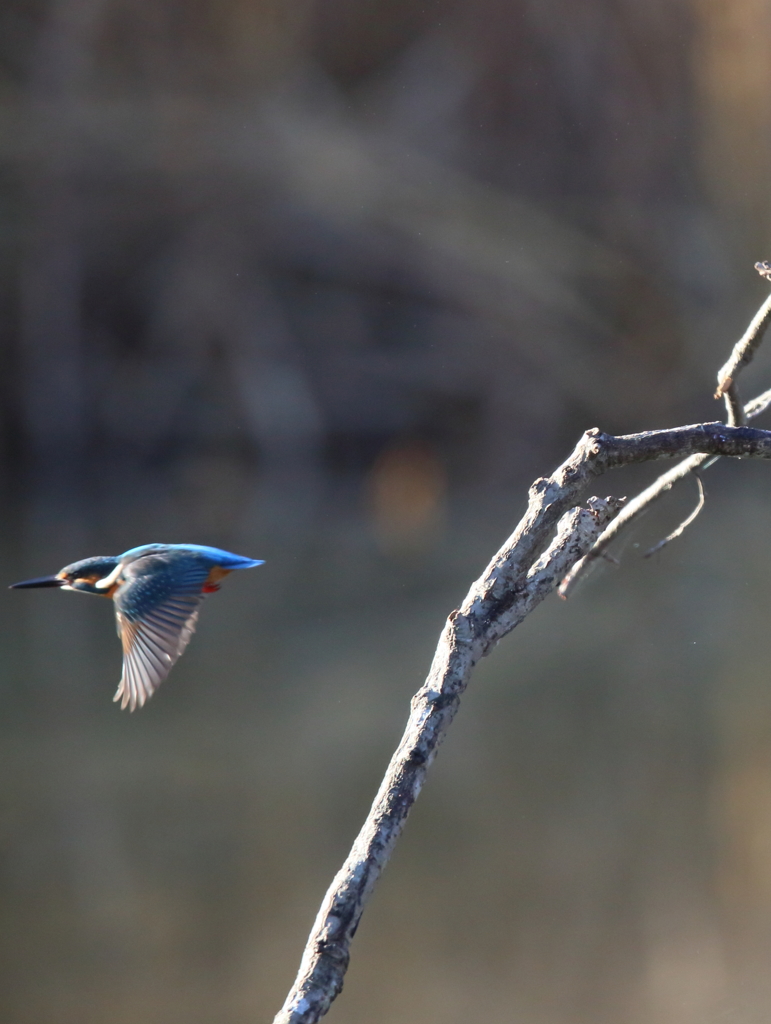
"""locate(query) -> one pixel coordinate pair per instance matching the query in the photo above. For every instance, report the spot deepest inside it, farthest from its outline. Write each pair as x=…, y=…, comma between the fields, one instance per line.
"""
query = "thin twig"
x=744, y=349
x=757, y=405
x=735, y=414
x=742, y=354
x=523, y=572
x=685, y=523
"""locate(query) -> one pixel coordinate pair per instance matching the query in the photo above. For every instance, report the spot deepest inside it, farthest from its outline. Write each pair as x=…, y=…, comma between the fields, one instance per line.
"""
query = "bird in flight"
x=156, y=590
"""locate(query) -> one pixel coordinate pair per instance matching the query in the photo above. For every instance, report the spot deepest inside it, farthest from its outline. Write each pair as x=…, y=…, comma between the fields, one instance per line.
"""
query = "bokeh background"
x=329, y=283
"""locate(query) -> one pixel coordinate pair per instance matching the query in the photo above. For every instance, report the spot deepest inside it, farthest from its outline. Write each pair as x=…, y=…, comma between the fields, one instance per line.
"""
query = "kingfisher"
x=156, y=590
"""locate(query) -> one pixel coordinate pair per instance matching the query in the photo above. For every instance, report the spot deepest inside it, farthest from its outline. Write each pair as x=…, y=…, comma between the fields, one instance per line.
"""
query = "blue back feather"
x=213, y=556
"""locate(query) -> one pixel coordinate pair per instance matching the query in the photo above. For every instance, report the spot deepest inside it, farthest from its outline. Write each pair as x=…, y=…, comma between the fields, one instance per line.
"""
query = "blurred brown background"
x=329, y=284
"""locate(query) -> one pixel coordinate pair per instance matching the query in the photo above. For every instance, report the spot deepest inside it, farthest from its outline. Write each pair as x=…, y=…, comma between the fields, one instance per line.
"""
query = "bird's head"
x=83, y=576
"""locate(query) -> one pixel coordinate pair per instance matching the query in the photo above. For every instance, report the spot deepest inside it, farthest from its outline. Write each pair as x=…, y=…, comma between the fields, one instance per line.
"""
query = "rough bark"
x=552, y=545
x=552, y=537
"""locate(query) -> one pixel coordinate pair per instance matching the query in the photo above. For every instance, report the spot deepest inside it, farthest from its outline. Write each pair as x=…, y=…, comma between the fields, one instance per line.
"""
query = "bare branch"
x=735, y=415
x=742, y=353
x=744, y=349
x=632, y=510
x=685, y=523
x=522, y=573
x=644, y=499
x=757, y=405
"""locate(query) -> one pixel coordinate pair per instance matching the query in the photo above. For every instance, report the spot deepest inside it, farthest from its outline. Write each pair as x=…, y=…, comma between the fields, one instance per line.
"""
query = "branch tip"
x=685, y=523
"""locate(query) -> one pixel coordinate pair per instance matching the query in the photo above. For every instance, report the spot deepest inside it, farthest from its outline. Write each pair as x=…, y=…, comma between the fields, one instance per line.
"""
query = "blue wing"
x=156, y=607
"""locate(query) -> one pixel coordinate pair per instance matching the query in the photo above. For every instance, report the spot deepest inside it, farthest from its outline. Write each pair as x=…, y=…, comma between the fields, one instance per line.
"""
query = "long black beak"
x=41, y=581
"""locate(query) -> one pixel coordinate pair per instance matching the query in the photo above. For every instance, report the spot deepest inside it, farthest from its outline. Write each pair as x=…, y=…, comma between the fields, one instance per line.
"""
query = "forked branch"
x=555, y=535
x=736, y=415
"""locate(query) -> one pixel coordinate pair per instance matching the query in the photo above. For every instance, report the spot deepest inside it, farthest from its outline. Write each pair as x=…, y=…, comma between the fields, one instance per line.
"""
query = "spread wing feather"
x=156, y=608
